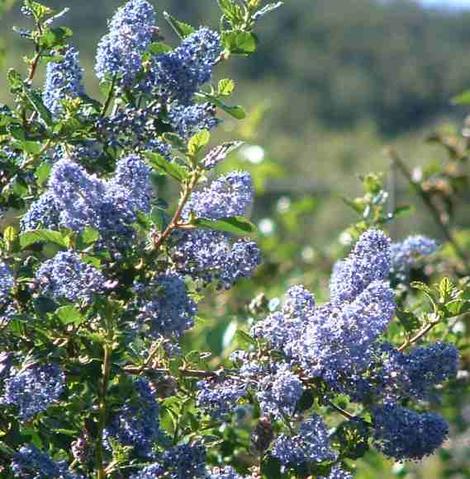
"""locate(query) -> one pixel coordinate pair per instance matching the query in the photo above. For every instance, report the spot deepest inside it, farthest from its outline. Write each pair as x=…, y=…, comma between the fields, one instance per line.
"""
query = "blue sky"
x=448, y=3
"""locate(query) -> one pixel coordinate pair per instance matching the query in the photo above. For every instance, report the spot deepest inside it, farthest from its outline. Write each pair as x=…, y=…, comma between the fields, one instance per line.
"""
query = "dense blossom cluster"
x=405, y=254
x=66, y=276
x=340, y=343
x=187, y=120
x=177, y=75
x=76, y=200
x=311, y=444
x=213, y=256
x=137, y=422
x=63, y=80
x=120, y=51
x=164, y=306
x=30, y=463
x=33, y=389
x=405, y=434
x=6, y=282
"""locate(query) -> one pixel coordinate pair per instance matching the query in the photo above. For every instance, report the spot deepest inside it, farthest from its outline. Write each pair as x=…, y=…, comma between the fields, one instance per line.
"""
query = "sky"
x=448, y=3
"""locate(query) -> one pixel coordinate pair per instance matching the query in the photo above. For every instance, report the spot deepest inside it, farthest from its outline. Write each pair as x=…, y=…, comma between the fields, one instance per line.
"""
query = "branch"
x=398, y=161
x=420, y=334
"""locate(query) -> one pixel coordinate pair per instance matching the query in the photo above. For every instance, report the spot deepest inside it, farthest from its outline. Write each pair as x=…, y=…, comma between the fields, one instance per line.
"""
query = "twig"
x=175, y=221
x=342, y=411
x=397, y=160
x=191, y=373
x=418, y=335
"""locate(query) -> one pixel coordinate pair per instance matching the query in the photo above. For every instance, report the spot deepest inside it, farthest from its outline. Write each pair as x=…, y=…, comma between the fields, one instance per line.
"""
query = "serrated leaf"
x=162, y=165
x=43, y=236
x=89, y=236
x=198, y=141
x=226, y=87
x=408, y=320
x=237, y=225
x=239, y=42
x=69, y=315
x=182, y=29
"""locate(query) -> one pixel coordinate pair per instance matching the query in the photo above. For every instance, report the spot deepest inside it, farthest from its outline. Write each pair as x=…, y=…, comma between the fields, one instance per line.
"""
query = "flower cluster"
x=406, y=254
x=311, y=444
x=33, y=389
x=164, y=307
x=6, y=283
x=341, y=344
x=30, y=463
x=405, y=434
x=178, y=75
x=76, y=199
x=66, y=276
x=63, y=80
x=137, y=422
x=213, y=256
x=120, y=51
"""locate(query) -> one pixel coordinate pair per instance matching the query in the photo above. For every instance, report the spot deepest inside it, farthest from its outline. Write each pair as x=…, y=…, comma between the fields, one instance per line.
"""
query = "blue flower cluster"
x=310, y=445
x=340, y=343
x=30, y=463
x=120, y=51
x=164, y=306
x=407, y=253
x=137, y=423
x=337, y=473
x=178, y=75
x=227, y=472
x=75, y=199
x=230, y=195
x=405, y=434
x=213, y=256
x=66, y=276
x=63, y=80
x=185, y=460
x=33, y=389
x=187, y=120
x=149, y=472
x=6, y=283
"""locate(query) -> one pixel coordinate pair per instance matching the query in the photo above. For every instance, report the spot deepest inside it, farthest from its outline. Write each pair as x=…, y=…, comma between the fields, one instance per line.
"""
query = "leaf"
x=182, y=29
x=239, y=42
x=245, y=338
x=158, y=48
x=232, y=12
x=461, y=99
x=42, y=173
x=237, y=225
x=43, y=236
x=270, y=7
x=89, y=236
x=37, y=104
x=14, y=81
x=198, y=141
x=219, y=153
x=54, y=37
x=162, y=165
x=408, y=320
x=226, y=87
x=69, y=315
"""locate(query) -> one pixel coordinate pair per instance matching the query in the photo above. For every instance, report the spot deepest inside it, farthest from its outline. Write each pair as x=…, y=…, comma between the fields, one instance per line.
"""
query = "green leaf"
x=239, y=42
x=232, y=12
x=69, y=315
x=158, y=48
x=270, y=7
x=162, y=165
x=38, y=105
x=237, y=111
x=54, y=37
x=462, y=99
x=175, y=140
x=198, y=141
x=408, y=320
x=182, y=29
x=42, y=173
x=237, y=225
x=15, y=81
x=226, y=87
x=43, y=236
x=245, y=338
x=89, y=236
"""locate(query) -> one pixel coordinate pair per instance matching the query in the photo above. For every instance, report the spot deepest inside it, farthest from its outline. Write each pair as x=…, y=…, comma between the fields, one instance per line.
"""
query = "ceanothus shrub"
x=101, y=279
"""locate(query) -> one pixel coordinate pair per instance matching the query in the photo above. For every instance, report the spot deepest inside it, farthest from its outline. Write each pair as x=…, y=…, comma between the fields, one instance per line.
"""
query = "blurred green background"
x=333, y=83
